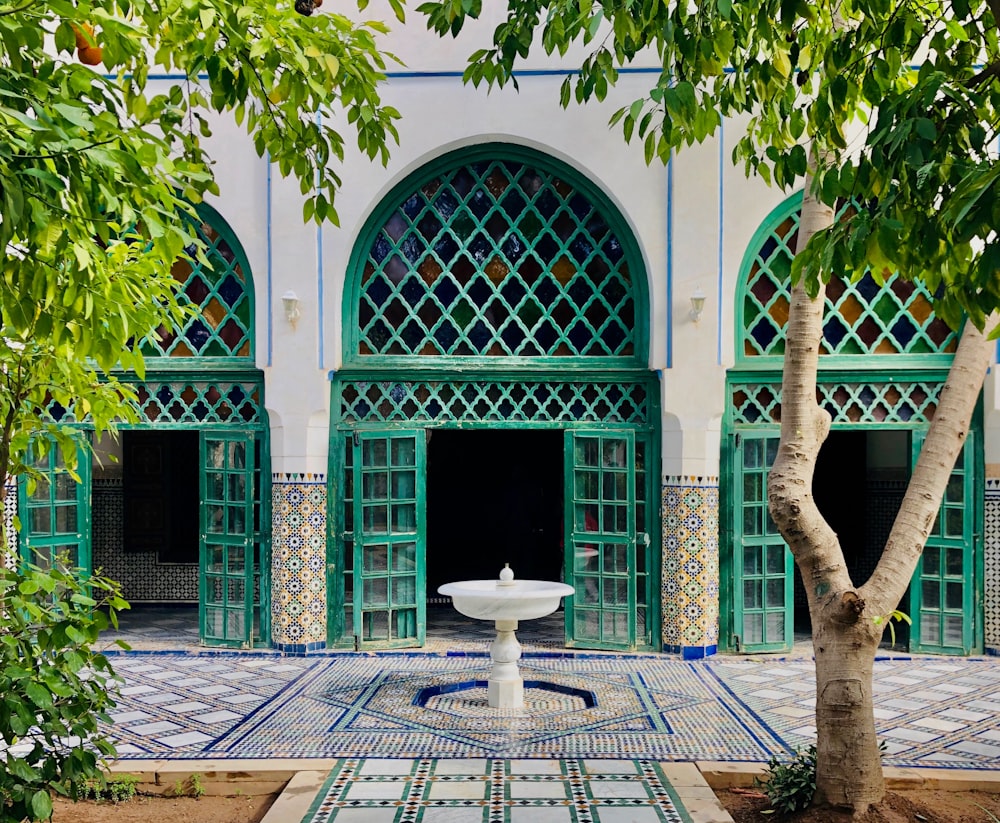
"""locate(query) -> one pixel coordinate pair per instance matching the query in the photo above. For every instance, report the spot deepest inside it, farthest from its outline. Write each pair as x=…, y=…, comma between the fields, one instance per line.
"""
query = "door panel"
x=763, y=566
x=55, y=516
x=227, y=538
x=388, y=480
x=601, y=546
x=941, y=592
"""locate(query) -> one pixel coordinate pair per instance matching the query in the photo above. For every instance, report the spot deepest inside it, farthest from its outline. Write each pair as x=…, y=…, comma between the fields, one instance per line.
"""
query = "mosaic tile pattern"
x=176, y=704
x=932, y=711
x=991, y=551
x=337, y=705
x=940, y=712
x=497, y=791
x=298, y=564
x=9, y=557
x=690, y=573
x=143, y=579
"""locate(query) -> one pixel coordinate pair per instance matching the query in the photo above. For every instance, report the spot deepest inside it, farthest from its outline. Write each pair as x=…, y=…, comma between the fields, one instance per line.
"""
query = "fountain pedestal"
x=505, y=688
x=505, y=601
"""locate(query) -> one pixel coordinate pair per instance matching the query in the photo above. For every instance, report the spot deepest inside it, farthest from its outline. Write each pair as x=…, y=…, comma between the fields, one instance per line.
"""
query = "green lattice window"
x=500, y=403
x=499, y=254
x=849, y=402
x=222, y=291
x=178, y=402
x=860, y=318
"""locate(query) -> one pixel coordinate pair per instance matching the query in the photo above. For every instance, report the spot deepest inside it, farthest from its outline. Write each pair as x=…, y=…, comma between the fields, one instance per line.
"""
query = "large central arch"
x=495, y=331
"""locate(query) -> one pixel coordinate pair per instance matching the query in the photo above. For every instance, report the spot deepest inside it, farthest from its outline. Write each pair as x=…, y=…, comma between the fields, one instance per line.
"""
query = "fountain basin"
x=514, y=600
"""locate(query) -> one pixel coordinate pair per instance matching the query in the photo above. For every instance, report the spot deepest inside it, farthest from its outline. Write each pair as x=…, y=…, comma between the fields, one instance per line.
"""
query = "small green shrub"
x=119, y=788
x=191, y=787
x=790, y=786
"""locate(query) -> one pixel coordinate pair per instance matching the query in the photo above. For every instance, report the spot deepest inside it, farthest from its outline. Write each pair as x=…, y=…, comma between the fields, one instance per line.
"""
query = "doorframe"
x=729, y=528
x=205, y=419
x=341, y=429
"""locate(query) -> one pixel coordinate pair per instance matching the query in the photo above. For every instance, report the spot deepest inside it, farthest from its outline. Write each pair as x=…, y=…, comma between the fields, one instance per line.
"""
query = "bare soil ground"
x=160, y=809
x=918, y=806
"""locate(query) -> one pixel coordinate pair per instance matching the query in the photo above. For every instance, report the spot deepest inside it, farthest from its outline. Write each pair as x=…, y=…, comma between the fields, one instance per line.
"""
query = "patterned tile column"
x=9, y=557
x=991, y=552
x=690, y=574
x=298, y=562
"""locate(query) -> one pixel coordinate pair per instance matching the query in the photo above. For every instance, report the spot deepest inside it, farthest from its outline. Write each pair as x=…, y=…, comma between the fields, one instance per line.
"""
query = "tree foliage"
x=54, y=688
x=105, y=113
x=97, y=165
x=899, y=98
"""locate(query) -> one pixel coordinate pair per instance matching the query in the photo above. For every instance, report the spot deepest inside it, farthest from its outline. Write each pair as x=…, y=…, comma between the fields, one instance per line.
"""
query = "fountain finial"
x=506, y=575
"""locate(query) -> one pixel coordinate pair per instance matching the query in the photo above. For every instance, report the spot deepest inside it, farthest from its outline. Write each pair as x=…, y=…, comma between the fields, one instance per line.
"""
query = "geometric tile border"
x=991, y=551
x=690, y=570
x=497, y=791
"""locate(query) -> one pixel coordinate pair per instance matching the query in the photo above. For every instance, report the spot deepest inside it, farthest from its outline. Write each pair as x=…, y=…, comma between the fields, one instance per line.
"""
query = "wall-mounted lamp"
x=697, y=305
x=290, y=300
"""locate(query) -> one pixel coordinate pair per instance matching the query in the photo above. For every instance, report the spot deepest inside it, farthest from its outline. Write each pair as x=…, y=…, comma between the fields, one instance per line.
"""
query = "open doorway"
x=145, y=529
x=494, y=497
x=860, y=480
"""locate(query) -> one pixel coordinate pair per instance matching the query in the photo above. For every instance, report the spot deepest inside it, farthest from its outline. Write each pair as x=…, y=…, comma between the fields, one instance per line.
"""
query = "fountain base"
x=505, y=688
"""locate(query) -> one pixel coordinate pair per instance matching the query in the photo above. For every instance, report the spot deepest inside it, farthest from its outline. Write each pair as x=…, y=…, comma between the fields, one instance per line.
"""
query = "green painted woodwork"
x=495, y=288
x=227, y=536
x=496, y=252
x=942, y=593
x=220, y=287
x=501, y=403
x=899, y=391
x=55, y=516
x=864, y=399
x=860, y=318
x=601, y=547
x=388, y=539
x=178, y=401
x=763, y=564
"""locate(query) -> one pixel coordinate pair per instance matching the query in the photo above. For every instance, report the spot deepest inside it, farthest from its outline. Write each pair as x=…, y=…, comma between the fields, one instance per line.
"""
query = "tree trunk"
x=848, y=622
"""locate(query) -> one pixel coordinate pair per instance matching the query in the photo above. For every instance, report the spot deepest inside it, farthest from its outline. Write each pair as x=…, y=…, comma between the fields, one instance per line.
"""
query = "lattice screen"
x=847, y=401
x=181, y=402
x=499, y=402
x=497, y=259
x=860, y=318
x=222, y=294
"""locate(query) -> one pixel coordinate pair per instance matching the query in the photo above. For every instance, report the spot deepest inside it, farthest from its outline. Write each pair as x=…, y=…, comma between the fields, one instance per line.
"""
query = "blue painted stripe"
x=270, y=287
x=319, y=280
x=722, y=201
x=670, y=261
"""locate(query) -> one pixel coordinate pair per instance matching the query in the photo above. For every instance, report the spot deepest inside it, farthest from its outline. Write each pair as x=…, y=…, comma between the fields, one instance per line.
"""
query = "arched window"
x=496, y=252
x=222, y=291
x=860, y=318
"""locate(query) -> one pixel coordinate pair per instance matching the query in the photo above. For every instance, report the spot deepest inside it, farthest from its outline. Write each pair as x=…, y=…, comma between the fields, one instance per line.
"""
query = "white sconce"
x=697, y=305
x=290, y=300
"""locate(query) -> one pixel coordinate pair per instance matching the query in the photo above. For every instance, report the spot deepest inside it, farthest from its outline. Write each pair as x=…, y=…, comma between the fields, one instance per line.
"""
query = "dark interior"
x=841, y=489
x=494, y=497
x=160, y=481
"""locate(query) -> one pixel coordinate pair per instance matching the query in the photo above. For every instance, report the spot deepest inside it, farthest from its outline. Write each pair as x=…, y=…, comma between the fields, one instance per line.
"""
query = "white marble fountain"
x=506, y=601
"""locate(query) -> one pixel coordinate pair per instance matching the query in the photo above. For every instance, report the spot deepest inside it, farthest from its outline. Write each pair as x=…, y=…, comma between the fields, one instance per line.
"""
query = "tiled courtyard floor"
x=600, y=740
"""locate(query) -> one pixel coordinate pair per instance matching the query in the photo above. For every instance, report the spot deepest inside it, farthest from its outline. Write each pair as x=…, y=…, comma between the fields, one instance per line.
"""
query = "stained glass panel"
x=496, y=259
x=860, y=318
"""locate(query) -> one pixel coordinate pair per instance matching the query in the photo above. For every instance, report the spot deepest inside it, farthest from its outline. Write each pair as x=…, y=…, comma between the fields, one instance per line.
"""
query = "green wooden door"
x=763, y=566
x=389, y=479
x=227, y=538
x=942, y=589
x=55, y=512
x=601, y=545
